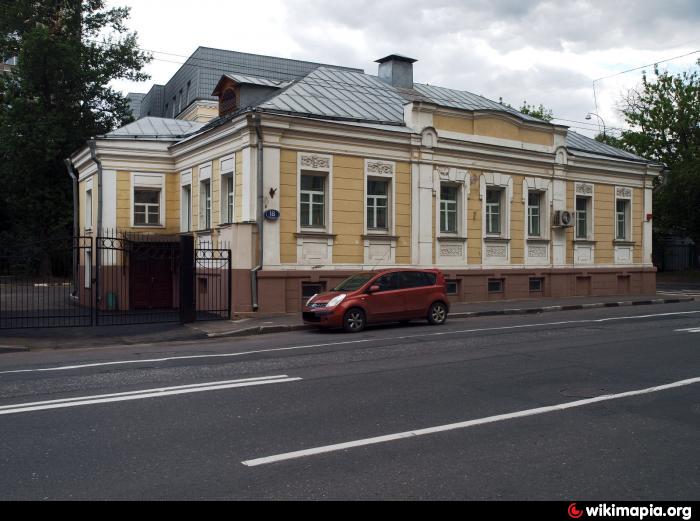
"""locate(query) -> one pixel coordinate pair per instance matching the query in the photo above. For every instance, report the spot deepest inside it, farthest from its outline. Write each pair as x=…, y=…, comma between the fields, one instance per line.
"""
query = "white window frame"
x=186, y=210
x=541, y=212
x=228, y=197
x=627, y=216
x=496, y=247
x=148, y=181
x=457, y=208
x=379, y=170
x=372, y=203
x=501, y=211
x=88, y=268
x=205, y=217
x=589, y=217
x=315, y=245
x=88, y=205
x=311, y=193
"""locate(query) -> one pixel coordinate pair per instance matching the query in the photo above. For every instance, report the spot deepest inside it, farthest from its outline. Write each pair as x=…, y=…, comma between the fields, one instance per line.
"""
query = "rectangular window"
x=377, y=204
x=622, y=220
x=452, y=287
x=313, y=201
x=309, y=289
x=88, y=210
x=146, y=207
x=496, y=285
x=493, y=211
x=186, y=208
x=534, y=214
x=205, y=205
x=582, y=217
x=536, y=285
x=227, y=195
x=448, y=208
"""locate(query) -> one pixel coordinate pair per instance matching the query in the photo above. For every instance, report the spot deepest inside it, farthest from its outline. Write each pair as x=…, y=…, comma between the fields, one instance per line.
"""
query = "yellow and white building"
x=365, y=172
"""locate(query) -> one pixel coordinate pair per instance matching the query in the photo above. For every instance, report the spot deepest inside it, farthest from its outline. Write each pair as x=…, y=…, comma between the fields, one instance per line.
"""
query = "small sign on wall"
x=272, y=215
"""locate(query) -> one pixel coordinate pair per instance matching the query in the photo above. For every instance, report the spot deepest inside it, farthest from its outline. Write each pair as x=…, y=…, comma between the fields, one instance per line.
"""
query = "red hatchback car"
x=381, y=296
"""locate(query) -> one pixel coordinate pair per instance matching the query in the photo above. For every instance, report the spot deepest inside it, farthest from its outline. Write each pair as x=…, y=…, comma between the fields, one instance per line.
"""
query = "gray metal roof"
x=460, y=99
x=201, y=72
x=253, y=80
x=576, y=141
x=158, y=128
x=332, y=93
x=353, y=96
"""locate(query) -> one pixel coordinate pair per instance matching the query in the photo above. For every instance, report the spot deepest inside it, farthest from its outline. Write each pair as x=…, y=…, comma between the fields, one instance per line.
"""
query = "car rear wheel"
x=437, y=315
x=354, y=321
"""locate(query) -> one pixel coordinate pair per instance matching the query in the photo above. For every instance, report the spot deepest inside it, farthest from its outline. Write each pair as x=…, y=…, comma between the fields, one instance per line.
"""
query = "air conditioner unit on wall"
x=564, y=219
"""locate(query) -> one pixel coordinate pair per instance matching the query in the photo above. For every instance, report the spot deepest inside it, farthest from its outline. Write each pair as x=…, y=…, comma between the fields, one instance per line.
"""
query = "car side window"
x=414, y=279
x=387, y=282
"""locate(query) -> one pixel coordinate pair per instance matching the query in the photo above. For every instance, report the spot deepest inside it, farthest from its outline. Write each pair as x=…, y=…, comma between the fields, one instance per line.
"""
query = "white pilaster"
x=271, y=184
x=559, y=234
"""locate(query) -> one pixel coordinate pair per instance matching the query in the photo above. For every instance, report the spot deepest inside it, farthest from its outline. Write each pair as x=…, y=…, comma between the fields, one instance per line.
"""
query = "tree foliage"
x=664, y=114
x=539, y=112
x=56, y=98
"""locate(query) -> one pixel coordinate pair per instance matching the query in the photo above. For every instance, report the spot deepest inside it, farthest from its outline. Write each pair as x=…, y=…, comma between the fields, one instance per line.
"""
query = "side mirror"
x=374, y=289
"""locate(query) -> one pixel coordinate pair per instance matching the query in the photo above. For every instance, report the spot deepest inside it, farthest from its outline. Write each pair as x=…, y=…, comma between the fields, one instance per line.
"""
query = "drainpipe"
x=76, y=221
x=93, y=156
x=259, y=217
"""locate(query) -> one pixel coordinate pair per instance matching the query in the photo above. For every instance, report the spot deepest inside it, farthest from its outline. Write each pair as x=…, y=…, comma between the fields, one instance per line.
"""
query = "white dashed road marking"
x=463, y=425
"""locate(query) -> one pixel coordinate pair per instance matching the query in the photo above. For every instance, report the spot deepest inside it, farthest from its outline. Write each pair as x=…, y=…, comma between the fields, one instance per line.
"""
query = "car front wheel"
x=354, y=321
x=438, y=314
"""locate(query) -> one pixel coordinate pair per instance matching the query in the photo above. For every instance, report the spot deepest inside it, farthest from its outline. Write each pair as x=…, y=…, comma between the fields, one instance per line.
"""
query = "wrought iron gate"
x=212, y=274
x=119, y=279
x=47, y=285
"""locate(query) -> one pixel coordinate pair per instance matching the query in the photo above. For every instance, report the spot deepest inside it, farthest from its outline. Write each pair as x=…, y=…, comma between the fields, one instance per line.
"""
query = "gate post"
x=188, y=307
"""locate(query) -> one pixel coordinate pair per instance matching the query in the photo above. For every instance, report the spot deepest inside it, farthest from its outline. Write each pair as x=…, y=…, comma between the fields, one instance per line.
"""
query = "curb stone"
x=264, y=330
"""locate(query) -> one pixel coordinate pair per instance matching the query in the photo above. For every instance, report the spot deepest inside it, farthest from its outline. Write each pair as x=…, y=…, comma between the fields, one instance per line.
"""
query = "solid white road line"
x=349, y=342
x=462, y=425
x=141, y=395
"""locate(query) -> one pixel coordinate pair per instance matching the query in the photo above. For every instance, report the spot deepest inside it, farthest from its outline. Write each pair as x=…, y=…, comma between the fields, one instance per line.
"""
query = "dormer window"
x=228, y=101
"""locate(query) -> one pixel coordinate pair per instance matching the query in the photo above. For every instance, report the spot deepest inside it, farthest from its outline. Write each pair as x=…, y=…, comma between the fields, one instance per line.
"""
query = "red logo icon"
x=575, y=513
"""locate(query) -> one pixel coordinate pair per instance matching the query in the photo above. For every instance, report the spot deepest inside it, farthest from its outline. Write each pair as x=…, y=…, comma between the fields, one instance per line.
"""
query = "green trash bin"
x=112, y=302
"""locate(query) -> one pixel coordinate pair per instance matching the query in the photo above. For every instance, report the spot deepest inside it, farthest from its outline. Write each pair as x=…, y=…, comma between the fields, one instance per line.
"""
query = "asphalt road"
x=225, y=419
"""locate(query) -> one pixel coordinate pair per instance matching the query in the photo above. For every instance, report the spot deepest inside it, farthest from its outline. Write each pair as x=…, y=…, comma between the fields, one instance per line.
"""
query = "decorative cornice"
x=316, y=162
x=623, y=193
x=380, y=168
x=442, y=171
x=584, y=189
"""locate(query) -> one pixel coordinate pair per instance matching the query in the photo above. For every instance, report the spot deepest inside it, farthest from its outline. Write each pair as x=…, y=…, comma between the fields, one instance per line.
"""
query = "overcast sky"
x=545, y=52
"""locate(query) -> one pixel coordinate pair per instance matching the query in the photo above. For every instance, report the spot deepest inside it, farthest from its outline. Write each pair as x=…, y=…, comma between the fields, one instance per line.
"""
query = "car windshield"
x=355, y=282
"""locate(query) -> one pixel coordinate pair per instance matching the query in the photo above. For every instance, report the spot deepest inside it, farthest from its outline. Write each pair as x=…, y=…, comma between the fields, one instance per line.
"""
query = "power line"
x=648, y=65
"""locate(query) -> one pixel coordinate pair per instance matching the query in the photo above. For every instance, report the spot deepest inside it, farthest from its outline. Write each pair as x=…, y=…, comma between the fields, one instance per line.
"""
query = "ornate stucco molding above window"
x=381, y=168
x=315, y=162
x=584, y=189
x=623, y=192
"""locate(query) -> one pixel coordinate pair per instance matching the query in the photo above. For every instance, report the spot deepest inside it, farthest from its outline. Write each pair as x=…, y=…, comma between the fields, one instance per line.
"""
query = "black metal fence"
x=115, y=279
x=212, y=284
x=43, y=285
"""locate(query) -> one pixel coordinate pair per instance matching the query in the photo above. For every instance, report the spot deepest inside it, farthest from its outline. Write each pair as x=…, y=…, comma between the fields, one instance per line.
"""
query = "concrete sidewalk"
x=249, y=325
x=254, y=324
